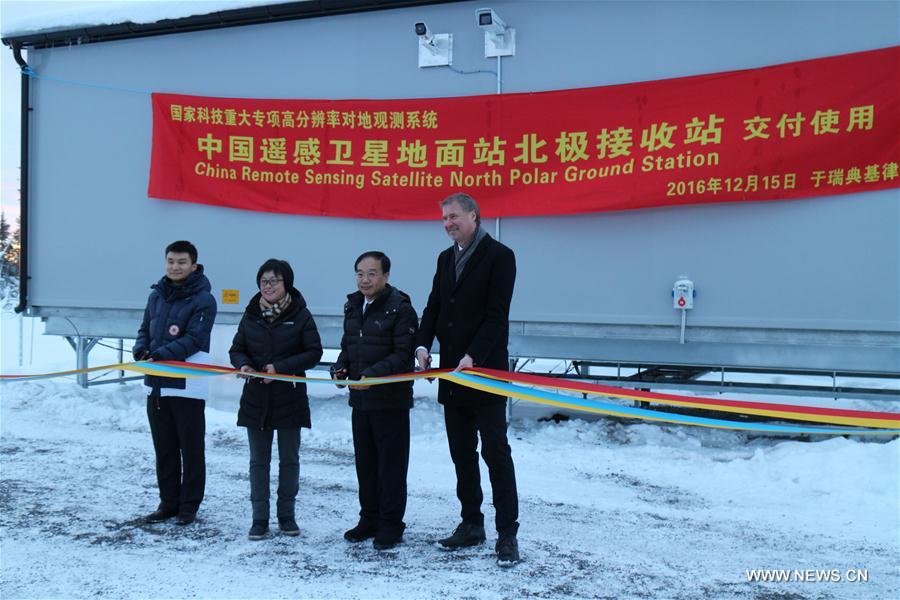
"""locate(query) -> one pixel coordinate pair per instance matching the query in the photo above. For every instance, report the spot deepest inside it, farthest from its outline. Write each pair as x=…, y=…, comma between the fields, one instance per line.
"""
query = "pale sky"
x=13, y=11
x=10, y=100
x=9, y=119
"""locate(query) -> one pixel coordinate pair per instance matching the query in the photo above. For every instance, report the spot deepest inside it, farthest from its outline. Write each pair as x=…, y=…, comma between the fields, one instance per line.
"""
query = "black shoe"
x=507, y=550
x=464, y=535
x=160, y=514
x=386, y=542
x=185, y=517
x=360, y=533
x=259, y=530
x=288, y=526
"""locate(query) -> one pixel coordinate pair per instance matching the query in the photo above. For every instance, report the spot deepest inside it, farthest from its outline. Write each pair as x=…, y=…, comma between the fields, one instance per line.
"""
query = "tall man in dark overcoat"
x=468, y=312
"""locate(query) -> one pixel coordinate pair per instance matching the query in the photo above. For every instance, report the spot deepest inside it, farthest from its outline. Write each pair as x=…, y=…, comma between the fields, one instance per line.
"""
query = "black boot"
x=465, y=535
x=163, y=513
x=259, y=530
x=362, y=532
x=389, y=536
x=507, y=550
x=386, y=541
x=288, y=526
x=186, y=516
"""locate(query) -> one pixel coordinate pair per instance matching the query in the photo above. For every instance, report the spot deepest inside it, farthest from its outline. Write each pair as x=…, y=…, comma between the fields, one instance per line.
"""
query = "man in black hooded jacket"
x=379, y=328
x=177, y=325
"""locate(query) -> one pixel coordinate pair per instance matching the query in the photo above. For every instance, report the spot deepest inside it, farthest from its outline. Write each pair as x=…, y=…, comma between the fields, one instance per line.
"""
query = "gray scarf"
x=463, y=256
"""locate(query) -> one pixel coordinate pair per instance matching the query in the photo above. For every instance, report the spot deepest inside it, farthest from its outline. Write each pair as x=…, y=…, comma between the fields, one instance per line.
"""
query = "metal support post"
x=509, y=401
x=21, y=337
x=82, y=346
x=583, y=368
x=121, y=360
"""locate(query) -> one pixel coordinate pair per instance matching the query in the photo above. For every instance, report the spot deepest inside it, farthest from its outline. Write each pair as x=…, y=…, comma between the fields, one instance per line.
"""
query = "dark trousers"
x=464, y=423
x=288, y=471
x=381, y=446
x=178, y=427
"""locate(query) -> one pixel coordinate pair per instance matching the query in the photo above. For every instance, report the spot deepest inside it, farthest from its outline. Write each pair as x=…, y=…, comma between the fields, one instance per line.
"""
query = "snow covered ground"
x=608, y=510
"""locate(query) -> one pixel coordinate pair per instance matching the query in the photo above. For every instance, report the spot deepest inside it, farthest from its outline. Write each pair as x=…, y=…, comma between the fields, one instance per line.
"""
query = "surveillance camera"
x=423, y=32
x=435, y=49
x=488, y=20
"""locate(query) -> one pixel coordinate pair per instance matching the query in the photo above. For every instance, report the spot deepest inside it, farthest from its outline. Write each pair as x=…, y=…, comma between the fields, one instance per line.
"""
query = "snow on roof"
x=92, y=14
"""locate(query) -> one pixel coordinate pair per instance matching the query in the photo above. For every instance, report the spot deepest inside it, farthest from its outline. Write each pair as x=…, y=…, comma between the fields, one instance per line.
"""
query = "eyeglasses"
x=270, y=282
x=367, y=274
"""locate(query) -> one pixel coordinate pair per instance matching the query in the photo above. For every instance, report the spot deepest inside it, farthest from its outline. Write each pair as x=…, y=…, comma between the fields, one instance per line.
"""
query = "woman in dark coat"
x=277, y=334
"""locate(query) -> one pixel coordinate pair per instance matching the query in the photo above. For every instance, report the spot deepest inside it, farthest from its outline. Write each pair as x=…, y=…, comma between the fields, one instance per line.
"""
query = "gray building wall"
x=809, y=283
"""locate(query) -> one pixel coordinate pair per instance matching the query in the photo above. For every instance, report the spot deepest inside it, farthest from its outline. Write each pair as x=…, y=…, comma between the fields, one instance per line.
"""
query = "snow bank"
x=607, y=510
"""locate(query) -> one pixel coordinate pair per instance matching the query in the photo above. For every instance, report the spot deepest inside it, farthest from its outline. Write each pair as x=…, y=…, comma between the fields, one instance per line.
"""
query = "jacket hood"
x=195, y=283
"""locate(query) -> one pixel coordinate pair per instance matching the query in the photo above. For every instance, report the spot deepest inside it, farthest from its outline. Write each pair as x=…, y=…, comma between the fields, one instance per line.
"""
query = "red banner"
x=812, y=128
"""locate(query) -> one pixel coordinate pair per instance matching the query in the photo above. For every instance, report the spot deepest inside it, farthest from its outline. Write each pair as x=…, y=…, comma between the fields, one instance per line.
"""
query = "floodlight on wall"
x=435, y=49
x=499, y=40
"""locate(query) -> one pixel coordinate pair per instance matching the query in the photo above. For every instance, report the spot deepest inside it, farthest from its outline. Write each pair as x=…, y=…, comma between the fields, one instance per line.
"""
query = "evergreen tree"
x=4, y=230
x=9, y=264
x=15, y=251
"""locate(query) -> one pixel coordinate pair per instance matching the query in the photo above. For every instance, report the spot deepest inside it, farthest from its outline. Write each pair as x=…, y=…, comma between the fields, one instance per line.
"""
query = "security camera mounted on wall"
x=499, y=40
x=435, y=49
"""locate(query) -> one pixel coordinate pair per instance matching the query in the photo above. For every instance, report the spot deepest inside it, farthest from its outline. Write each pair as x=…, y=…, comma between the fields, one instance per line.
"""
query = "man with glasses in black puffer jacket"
x=379, y=328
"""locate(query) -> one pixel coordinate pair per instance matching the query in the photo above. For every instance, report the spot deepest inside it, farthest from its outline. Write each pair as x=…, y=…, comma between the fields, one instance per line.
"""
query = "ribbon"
x=512, y=384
